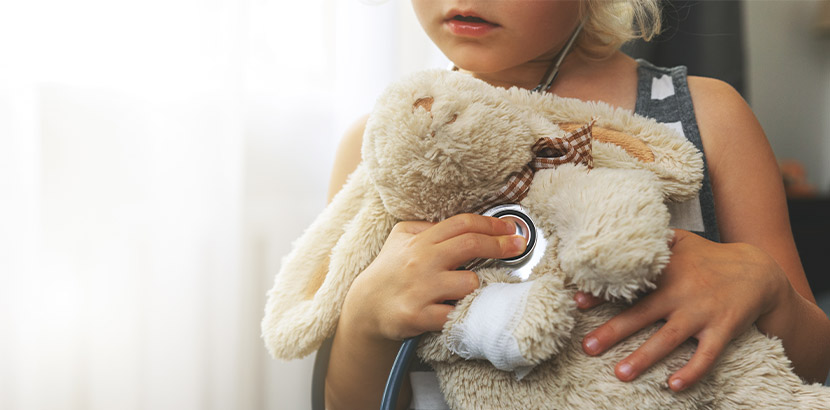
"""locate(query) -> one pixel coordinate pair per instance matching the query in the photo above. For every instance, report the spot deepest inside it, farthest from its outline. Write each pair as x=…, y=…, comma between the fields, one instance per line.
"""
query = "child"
x=710, y=291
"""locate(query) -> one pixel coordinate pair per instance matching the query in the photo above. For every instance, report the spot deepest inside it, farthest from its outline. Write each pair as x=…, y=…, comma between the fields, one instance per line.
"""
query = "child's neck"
x=526, y=76
x=612, y=80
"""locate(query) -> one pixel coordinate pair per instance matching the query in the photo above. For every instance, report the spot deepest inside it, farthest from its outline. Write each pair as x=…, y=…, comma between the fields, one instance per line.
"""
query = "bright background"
x=158, y=157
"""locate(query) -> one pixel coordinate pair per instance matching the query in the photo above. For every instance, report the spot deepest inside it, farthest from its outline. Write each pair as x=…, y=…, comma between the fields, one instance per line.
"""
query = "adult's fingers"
x=709, y=348
x=462, y=248
x=644, y=313
x=468, y=223
x=658, y=346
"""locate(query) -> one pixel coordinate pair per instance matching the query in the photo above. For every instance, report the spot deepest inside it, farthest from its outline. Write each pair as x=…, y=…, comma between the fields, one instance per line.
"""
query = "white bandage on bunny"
x=487, y=331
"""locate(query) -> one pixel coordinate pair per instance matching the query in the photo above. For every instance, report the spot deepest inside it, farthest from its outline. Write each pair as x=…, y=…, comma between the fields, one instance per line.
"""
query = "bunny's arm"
x=308, y=293
x=611, y=226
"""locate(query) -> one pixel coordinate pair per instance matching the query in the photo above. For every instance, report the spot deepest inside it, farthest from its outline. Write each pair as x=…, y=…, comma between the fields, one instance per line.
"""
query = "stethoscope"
x=514, y=213
x=525, y=227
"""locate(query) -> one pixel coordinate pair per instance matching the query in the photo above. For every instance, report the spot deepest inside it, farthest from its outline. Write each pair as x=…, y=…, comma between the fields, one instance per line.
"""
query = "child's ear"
x=304, y=305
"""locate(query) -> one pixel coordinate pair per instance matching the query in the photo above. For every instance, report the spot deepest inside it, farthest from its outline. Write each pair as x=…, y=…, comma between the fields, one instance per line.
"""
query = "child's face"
x=503, y=33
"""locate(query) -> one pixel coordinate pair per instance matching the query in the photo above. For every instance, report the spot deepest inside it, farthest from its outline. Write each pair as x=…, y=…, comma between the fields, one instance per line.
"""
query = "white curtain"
x=157, y=158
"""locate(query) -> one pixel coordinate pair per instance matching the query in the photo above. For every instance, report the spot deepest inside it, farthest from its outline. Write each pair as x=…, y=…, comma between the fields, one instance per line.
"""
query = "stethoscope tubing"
x=406, y=353
x=398, y=373
x=407, y=350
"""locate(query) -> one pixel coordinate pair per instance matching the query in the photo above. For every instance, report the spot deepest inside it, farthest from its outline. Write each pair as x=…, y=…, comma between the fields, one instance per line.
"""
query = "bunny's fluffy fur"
x=435, y=145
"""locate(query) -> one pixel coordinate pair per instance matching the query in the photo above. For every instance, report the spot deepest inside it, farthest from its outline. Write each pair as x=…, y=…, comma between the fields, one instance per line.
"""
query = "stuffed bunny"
x=440, y=143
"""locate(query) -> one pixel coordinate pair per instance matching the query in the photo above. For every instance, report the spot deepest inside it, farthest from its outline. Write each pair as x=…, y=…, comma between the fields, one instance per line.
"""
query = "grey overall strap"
x=663, y=94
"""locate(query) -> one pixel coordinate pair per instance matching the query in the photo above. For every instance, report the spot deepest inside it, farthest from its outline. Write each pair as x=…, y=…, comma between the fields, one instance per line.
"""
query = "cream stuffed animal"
x=441, y=143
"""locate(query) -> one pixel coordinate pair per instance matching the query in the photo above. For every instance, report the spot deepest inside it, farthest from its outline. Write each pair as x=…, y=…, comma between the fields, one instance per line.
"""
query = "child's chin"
x=475, y=58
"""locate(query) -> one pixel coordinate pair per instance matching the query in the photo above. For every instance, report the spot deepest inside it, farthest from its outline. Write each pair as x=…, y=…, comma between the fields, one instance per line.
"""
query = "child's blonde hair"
x=610, y=23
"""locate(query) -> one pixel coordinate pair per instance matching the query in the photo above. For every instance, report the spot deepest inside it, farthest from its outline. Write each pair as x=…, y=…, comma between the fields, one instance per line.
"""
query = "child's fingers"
x=412, y=227
x=708, y=350
x=456, y=284
x=432, y=318
x=467, y=223
x=465, y=247
x=643, y=313
x=587, y=300
x=658, y=346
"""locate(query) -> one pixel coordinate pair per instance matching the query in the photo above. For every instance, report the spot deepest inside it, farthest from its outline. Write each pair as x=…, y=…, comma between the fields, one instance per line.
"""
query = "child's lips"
x=469, y=25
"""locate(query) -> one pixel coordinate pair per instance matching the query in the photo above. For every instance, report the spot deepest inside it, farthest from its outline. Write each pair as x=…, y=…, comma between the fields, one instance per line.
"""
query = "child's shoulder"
x=723, y=116
x=710, y=90
x=347, y=156
x=741, y=161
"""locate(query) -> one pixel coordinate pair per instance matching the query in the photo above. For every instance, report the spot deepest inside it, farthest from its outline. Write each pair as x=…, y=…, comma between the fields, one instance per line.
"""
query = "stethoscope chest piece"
x=525, y=228
x=519, y=217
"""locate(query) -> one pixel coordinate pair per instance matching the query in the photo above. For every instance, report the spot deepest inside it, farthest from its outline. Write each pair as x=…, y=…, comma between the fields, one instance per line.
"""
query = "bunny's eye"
x=452, y=120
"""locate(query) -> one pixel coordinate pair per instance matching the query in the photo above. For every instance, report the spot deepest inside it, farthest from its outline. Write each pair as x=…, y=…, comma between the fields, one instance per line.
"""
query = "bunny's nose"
x=424, y=102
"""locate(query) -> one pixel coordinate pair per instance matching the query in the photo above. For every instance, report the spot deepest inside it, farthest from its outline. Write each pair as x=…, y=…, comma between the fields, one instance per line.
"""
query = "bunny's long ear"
x=626, y=140
x=304, y=305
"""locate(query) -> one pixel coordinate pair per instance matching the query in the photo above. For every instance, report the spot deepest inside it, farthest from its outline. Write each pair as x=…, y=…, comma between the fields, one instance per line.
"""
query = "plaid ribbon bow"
x=575, y=147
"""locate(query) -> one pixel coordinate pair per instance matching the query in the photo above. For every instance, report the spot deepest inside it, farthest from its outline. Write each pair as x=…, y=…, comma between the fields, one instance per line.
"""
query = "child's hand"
x=401, y=293
x=709, y=291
